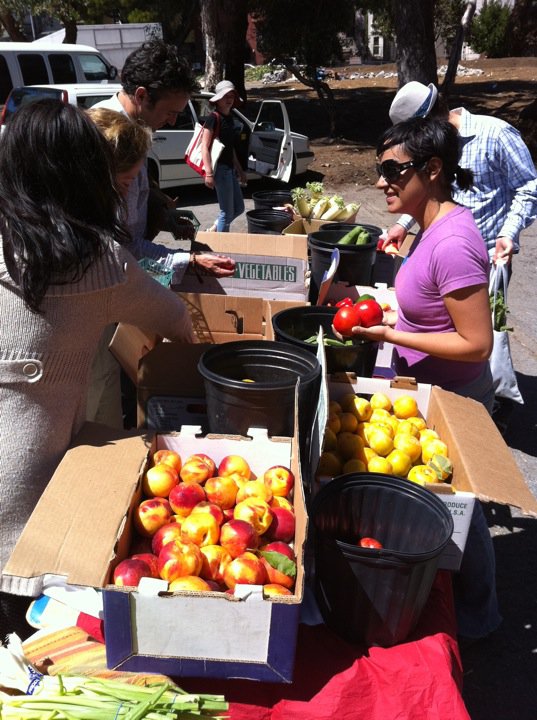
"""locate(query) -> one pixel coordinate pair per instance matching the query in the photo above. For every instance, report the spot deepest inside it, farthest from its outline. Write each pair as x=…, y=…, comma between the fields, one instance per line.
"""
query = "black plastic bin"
x=252, y=383
x=294, y=325
x=267, y=222
x=270, y=199
x=355, y=261
x=376, y=596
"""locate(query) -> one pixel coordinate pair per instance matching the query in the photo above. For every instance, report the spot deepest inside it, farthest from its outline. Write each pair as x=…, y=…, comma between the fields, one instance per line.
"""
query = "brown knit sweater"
x=44, y=371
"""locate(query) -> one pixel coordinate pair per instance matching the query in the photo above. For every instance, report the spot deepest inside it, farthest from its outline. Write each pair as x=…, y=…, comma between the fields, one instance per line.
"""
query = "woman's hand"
x=209, y=180
x=217, y=265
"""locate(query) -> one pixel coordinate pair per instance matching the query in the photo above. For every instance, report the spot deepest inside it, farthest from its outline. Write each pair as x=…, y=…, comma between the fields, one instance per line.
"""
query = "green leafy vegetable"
x=500, y=311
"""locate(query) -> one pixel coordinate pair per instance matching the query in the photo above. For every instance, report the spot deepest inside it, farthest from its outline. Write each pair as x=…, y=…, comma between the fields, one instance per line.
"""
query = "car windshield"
x=19, y=97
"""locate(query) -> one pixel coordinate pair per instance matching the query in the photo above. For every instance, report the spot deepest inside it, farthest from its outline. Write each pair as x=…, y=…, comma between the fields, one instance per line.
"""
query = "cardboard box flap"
x=223, y=314
x=77, y=543
x=128, y=345
x=484, y=464
x=294, y=246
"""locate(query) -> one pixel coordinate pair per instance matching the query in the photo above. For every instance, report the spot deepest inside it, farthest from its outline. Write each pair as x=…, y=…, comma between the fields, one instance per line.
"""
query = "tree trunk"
x=414, y=30
x=323, y=90
x=70, y=30
x=213, y=26
x=237, y=13
x=12, y=27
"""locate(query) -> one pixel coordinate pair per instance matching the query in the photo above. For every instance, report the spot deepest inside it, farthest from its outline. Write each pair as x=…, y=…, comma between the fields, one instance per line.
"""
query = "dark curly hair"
x=424, y=138
x=158, y=67
x=59, y=209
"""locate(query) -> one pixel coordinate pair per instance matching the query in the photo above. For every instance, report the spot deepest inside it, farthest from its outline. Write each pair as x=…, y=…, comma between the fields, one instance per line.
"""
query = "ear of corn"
x=335, y=206
x=348, y=212
x=319, y=208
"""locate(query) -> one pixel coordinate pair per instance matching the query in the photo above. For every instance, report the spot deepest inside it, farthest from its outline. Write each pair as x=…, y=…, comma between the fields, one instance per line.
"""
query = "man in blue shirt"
x=503, y=199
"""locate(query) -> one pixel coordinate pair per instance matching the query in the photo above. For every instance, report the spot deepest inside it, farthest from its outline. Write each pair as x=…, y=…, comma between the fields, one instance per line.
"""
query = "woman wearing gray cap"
x=228, y=175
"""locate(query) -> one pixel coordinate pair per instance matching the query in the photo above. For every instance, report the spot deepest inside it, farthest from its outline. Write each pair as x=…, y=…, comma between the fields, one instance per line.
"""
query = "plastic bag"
x=501, y=363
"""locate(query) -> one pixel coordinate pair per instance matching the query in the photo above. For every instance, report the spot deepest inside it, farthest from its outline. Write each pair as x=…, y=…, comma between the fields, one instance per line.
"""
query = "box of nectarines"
x=196, y=541
x=440, y=440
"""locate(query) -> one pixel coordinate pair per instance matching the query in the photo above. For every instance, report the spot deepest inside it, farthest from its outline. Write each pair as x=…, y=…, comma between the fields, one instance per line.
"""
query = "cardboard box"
x=81, y=528
x=170, y=389
x=267, y=266
x=483, y=465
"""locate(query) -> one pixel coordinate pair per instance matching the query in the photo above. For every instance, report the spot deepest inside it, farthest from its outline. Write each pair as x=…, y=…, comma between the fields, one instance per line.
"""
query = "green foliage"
x=257, y=73
x=489, y=32
x=302, y=29
x=447, y=19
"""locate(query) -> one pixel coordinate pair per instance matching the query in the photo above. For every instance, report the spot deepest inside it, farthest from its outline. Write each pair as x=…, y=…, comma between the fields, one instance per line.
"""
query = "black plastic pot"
x=376, y=596
x=294, y=325
x=272, y=370
x=271, y=199
x=267, y=222
x=355, y=261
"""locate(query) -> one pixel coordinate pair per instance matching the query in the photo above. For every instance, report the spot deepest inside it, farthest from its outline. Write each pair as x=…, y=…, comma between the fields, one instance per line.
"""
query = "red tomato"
x=345, y=319
x=370, y=313
x=370, y=543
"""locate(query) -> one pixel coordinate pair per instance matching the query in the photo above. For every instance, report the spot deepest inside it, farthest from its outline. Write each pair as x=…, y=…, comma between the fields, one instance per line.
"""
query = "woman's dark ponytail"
x=464, y=177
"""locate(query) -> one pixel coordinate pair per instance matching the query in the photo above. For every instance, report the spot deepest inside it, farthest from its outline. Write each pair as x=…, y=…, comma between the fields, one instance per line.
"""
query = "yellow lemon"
x=380, y=465
x=405, y=407
x=379, y=415
x=433, y=447
x=386, y=426
x=368, y=454
x=418, y=422
x=428, y=434
x=349, y=445
x=405, y=426
x=442, y=466
x=380, y=401
x=334, y=423
x=379, y=441
x=358, y=406
x=408, y=444
x=334, y=408
x=329, y=464
x=400, y=462
x=349, y=422
x=330, y=440
x=422, y=474
x=354, y=465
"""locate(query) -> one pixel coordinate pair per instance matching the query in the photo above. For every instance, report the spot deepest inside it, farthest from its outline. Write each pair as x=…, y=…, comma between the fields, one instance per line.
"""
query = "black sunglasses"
x=391, y=170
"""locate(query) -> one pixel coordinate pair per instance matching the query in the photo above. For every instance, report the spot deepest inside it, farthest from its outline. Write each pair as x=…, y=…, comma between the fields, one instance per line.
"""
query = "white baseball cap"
x=413, y=100
x=223, y=88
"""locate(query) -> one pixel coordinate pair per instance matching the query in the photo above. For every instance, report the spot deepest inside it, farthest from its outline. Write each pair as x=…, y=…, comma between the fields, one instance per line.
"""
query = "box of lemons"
x=377, y=435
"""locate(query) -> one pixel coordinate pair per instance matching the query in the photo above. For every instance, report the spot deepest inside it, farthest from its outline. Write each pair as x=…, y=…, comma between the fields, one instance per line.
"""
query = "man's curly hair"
x=158, y=67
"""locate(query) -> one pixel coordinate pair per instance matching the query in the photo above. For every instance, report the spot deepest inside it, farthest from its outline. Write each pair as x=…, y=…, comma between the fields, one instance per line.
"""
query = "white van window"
x=63, y=68
x=6, y=86
x=93, y=67
x=33, y=69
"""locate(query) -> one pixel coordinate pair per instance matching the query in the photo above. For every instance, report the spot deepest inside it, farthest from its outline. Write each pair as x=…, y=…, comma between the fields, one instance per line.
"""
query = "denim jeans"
x=229, y=195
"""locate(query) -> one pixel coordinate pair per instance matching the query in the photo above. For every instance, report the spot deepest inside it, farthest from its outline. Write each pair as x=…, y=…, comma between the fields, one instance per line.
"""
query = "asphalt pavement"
x=499, y=672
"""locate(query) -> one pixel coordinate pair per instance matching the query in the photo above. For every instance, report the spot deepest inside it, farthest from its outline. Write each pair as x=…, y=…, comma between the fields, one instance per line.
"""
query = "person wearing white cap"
x=228, y=175
x=503, y=198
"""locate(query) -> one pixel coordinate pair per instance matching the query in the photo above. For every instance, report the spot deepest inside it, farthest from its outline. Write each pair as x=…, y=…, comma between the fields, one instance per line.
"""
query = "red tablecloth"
x=418, y=680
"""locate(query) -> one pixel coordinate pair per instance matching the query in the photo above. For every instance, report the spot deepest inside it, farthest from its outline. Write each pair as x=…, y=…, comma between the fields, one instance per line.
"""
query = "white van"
x=44, y=64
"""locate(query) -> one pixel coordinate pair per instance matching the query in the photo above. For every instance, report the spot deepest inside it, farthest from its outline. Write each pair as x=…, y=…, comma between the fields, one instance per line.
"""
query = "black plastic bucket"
x=268, y=399
x=271, y=199
x=376, y=596
x=355, y=261
x=267, y=222
x=296, y=324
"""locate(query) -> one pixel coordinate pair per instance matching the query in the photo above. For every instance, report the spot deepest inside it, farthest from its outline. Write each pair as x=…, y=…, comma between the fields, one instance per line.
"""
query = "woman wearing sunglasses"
x=442, y=331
